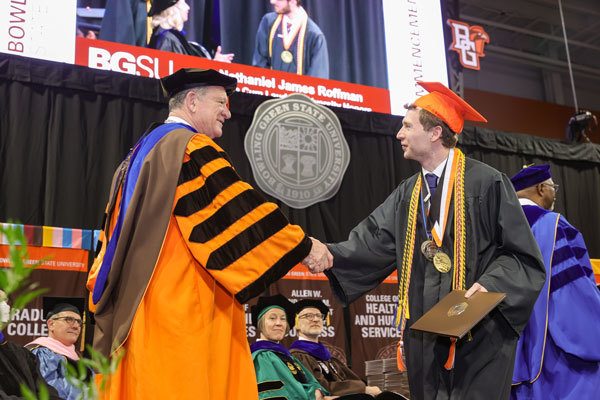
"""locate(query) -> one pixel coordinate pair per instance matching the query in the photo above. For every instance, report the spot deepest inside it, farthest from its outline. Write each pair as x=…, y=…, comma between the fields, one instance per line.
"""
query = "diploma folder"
x=455, y=315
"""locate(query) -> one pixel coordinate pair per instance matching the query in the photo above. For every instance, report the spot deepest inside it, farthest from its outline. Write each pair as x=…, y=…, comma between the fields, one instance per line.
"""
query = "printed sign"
x=415, y=48
x=152, y=63
x=38, y=28
x=468, y=42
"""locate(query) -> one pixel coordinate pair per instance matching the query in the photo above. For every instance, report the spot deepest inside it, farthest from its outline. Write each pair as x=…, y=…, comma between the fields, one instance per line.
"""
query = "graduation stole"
x=460, y=241
x=129, y=174
x=287, y=39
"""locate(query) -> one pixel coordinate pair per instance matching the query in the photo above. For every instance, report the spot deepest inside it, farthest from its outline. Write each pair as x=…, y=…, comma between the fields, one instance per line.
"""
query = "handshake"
x=319, y=259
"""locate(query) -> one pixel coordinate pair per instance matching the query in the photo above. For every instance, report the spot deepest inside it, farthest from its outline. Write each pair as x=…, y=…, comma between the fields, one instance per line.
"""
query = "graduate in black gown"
x=456, y=225
x=288, y=40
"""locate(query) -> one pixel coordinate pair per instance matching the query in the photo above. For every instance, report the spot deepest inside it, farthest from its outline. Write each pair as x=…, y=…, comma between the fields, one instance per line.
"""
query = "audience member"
x=278, y=373
x=64, y=321
x=332, y=373
x=17, y=365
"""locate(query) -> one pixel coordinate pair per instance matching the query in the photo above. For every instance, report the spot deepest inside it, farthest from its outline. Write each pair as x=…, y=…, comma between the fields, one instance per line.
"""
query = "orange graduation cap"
x=447, y=106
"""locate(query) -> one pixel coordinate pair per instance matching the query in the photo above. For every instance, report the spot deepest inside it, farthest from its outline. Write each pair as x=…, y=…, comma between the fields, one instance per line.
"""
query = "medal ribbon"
x=447, y=188
x=457, y=180
x=288, y=38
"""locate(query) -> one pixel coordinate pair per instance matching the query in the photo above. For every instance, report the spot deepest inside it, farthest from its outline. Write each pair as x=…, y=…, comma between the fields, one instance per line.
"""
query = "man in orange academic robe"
x=186, y=243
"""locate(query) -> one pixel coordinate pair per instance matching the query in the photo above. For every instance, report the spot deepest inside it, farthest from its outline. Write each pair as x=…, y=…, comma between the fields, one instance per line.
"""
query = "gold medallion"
x=287, y=56
x=457, y=309
x=442, y=262
x=428, y=248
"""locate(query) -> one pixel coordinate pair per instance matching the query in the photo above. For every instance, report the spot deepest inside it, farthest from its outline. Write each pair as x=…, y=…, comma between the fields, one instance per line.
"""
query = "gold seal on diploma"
x=442, y=262
x=287, y=56
x=457, y=309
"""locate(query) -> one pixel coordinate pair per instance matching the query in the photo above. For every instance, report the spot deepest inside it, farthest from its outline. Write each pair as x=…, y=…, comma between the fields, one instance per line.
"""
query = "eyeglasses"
x=554, y=186
x=71, y=320
x=310, y=316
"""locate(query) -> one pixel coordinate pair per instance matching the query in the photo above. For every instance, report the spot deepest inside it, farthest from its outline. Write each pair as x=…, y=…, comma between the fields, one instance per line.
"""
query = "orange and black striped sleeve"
x=244, y=241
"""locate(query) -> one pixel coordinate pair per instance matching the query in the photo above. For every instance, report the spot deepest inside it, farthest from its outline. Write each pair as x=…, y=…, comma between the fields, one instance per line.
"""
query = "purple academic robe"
x=558, y=354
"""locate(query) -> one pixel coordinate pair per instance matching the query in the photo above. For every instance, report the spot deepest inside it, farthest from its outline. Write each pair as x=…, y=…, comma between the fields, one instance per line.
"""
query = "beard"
x=284, y=10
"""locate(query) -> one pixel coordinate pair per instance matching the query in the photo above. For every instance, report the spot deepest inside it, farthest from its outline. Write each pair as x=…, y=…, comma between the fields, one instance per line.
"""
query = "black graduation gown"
x=174, y=41
x=316, y=56
x=502, y=255
x=18, y=365
x=124, y=21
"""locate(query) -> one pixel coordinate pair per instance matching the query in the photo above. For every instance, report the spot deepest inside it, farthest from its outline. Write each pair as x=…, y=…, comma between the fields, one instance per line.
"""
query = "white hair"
x=170, y=18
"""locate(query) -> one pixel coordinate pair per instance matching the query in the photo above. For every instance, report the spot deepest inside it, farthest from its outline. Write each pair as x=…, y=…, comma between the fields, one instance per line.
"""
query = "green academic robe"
x=282, y=376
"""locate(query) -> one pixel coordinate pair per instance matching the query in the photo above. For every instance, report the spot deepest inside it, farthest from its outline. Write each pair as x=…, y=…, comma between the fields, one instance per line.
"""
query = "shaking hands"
x=319, y=259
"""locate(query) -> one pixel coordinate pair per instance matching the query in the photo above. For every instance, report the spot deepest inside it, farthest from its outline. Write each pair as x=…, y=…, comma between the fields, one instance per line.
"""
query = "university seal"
x=297, y=150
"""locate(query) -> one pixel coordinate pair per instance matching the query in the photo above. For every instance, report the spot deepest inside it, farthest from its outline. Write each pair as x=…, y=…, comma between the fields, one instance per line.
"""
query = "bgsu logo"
x=468, y=42
x=122, y=61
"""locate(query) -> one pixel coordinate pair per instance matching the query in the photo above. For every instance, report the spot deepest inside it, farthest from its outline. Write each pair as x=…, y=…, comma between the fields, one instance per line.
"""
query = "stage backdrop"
x=62, y=256
x=365, y=331
x=64, y=129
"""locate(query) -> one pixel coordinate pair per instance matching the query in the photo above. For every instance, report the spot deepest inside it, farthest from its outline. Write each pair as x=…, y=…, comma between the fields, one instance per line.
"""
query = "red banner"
x=152, y=63
x=62, y=272
x=300, y=272
x=51, y=258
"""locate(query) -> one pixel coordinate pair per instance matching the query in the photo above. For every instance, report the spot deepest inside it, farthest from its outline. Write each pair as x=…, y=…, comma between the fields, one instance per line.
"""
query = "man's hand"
x=319, y=258
x=474, y=289
x=223, y=57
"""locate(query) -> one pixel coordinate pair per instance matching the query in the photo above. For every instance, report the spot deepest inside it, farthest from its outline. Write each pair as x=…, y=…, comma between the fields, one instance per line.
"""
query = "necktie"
x=431, y=182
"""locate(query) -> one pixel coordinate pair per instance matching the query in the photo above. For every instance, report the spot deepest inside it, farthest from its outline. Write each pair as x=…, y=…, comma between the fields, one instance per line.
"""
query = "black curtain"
x=575, y=167
x=124, y=22
x=198, y=26
x=65, y=128
x=353, y=28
